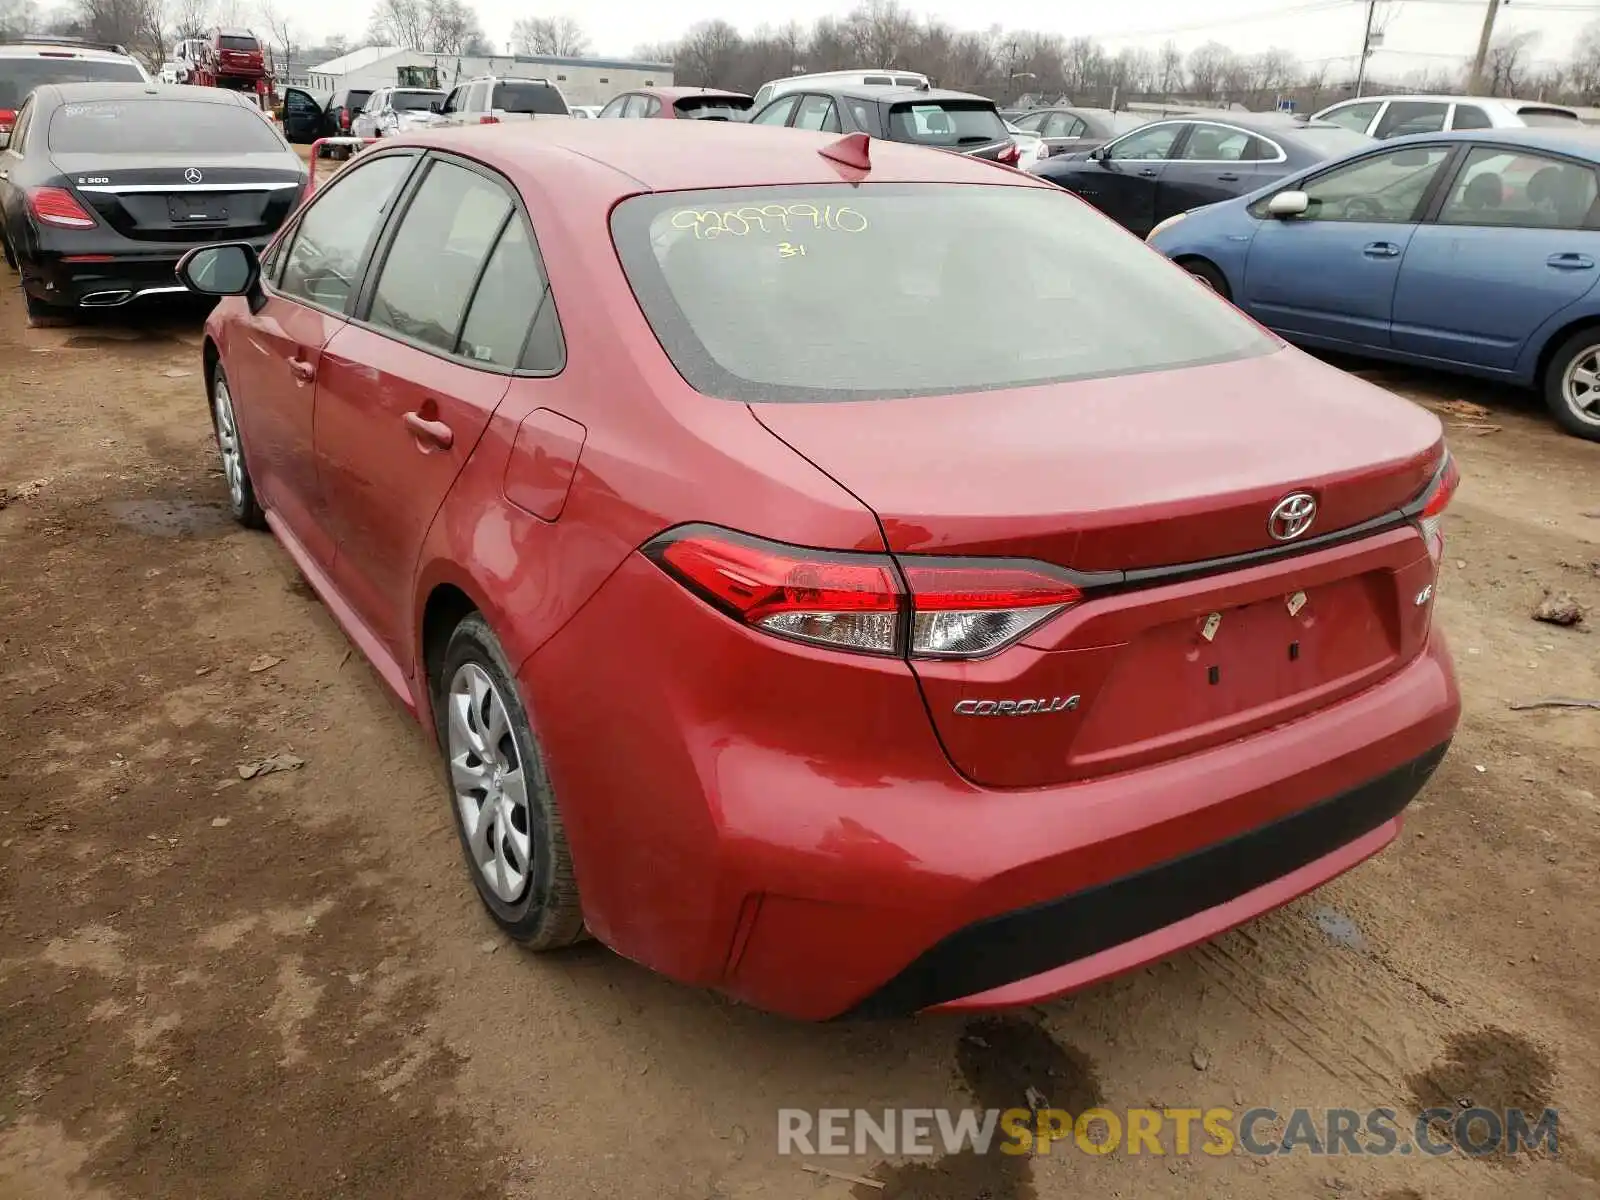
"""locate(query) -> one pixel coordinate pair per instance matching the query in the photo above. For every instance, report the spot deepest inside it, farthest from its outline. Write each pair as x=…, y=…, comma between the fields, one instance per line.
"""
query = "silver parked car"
x=392, y=110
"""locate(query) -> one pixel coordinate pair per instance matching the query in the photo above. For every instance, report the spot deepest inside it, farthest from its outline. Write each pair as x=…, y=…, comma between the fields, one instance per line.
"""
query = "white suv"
x=1393, y=116
x=27, y=62
x=489, y=99
x=822, y=80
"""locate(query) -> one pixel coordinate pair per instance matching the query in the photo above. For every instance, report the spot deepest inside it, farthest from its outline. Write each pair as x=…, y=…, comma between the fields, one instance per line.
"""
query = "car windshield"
x=946, y=122
x=713, y=108
x=159, y=126
x=414, y=101
x=1330, y=141
x=239, y=43
x=839, y=292
x=19, y=76
x=529, y=98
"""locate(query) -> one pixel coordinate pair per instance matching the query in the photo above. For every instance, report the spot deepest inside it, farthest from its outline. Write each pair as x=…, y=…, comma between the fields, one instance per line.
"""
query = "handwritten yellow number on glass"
x=789, y=250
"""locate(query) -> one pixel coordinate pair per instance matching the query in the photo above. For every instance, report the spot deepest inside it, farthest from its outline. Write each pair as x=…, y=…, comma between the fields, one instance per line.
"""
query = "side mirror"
x=226, y=269
x=1288, y=204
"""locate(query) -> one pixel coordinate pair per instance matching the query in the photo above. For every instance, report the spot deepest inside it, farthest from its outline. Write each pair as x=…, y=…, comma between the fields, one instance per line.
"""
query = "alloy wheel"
x=490, y=787
x=1580, y=385
x=228, y=444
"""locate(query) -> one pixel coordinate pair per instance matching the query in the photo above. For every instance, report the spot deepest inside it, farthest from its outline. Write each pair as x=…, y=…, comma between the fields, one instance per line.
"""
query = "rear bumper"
x=114, y=276
x=780, y=823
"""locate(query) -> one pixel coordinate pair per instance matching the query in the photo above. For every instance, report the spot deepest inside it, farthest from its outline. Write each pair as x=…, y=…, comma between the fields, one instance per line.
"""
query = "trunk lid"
x=1121, y=479
x=173, y=198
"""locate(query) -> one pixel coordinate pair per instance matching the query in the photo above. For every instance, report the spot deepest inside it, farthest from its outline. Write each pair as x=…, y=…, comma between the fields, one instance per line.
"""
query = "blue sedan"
x=1474, y=252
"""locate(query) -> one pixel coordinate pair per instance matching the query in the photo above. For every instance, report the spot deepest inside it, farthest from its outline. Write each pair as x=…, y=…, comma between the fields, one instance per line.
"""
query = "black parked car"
x=1065, y=130
x=1173, y=165
x=925, y=116
x=304, y=115
x=104, y=186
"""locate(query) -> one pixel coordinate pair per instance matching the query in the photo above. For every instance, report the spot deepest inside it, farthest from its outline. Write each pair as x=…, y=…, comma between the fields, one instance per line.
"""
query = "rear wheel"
x=505, y=810
x=1208, y=275
x=1572, y=384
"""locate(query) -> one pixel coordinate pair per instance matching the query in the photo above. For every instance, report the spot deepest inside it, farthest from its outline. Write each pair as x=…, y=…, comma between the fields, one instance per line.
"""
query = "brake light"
x=954, y=608
x=1435, y=500
x=58, y=207
x=1010, y=155
x=8, y=119
x=344, y=118
x=489, y=120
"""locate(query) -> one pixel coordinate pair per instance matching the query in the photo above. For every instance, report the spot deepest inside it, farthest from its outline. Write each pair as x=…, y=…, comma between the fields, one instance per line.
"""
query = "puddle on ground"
x=172, y=518
x=1339, y=927
x=1487, y=1068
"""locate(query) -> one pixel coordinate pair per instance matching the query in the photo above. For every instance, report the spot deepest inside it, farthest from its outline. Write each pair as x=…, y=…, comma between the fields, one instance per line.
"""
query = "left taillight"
x=8, y=120
x=59, y=208
x=916, y=606
x=1010, y=154
x=1434, y=501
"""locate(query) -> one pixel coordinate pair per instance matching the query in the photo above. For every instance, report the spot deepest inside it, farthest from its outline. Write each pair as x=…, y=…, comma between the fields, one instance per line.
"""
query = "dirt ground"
x=282, y=986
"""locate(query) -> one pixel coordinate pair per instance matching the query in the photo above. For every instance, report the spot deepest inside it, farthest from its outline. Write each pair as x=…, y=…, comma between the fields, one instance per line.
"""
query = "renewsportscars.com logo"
x=1161, y=1131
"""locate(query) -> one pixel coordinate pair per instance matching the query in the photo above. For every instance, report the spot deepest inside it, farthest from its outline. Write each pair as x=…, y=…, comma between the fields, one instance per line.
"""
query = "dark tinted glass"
x=159, y=126
x=721, y=108
x=19, y=76
x=512, y=288
x=528, y=98
x=414, y=101
x=1470, y=116
x=334, y=234
x=842, y=293
x=240, y=43
x=946, y=123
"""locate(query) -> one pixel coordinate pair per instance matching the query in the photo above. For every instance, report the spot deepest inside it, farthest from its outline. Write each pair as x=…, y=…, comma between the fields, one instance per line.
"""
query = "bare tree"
x=709, y=54
x=17, y=18
x=1169, y=69
x=1583, y=72
x=407, y=23
x=560, y=36
x=453, y=28
x=883, y=33
x=1508, y=62
x=284, y=33
x=1210, y=67
x=135, y=24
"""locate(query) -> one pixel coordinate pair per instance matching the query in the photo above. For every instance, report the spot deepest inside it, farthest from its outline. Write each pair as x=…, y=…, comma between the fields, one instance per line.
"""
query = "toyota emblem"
x=1292, y=516
x=193, y=175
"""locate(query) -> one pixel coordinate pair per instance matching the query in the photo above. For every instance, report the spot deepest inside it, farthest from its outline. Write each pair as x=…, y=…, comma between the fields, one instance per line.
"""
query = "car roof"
x=234, y=31
x=608, y=160
x=678, y=93
x=1439, y=98
x=53, y=49
x=896, y=95
x=84, y=92
x=1578, y=140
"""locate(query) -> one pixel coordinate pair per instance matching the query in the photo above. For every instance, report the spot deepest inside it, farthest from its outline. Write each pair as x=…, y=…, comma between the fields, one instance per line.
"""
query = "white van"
x=880, y=77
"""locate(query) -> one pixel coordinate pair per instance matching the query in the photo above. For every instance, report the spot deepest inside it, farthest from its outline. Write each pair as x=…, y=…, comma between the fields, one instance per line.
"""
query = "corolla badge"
x=193, y=175
x=1016, y=708
x=1292, y=516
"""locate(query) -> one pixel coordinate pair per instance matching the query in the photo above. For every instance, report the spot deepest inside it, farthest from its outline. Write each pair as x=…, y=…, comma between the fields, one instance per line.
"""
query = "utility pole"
x=1366, y=47
x=1475, y=85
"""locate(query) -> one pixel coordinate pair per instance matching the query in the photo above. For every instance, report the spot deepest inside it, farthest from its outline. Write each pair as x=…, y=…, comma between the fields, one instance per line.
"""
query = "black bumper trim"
x=1030, y=941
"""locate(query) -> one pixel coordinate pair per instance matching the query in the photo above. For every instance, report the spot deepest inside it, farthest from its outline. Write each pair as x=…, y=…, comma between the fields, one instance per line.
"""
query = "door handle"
x=1381, y=250
x=436, y=432
x=1148, y=173
x=302, y=370
x=1570, y=262
x=1228, y=177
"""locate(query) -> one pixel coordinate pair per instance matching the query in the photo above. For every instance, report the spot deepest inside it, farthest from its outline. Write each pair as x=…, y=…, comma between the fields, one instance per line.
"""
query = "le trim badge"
x=1296, y=603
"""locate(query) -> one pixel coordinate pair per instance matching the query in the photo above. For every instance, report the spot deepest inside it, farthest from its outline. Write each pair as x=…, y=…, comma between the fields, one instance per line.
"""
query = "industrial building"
x=582, y=80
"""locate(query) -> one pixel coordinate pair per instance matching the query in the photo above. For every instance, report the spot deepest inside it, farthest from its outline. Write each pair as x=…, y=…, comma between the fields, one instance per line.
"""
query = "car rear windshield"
x=839, y=292
x=19, y=76
x=946, y=123
x=1330, y=141
x=1547, y=116
x=151, y=126
x=239, y=43
x=529, y=98
x=713, y=108
x=356, y=100
x=414, y=101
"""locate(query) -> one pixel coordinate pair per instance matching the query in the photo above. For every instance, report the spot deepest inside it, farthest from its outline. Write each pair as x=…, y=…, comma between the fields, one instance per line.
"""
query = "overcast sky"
x=1419, y=33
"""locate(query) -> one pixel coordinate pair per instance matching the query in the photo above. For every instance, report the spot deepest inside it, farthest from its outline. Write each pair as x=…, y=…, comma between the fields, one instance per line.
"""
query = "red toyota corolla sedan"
x=810, y=597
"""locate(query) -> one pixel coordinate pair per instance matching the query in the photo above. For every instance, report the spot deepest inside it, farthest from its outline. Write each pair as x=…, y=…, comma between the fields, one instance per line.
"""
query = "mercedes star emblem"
x=193, y=175
x=1292, y=516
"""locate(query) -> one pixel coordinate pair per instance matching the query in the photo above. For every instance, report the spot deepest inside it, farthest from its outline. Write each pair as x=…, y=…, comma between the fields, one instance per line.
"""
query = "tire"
x=46, y=316
x=1572, y=378
x=242, y=500
x=536, y=903
x=1208, y=275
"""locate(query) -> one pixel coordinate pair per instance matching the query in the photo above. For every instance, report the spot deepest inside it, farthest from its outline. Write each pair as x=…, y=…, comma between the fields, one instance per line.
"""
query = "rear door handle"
x=1148, y=173
x=436, y=432
x=1381, y=250
x=1570, y=262
x=303, y=371
x=1228, y=177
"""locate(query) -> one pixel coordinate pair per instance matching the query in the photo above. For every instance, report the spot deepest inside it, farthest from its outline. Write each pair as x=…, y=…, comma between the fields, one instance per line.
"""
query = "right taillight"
x=489, y=120
x=8, y=120
x=1434, y=501
x=58, y=207
x=917, y=605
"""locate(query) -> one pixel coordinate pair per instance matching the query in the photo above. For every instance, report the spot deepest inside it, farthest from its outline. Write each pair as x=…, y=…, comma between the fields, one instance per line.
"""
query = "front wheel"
x=1210, y=276
x=505, y=809
x=1572, y=384
x=242, y=500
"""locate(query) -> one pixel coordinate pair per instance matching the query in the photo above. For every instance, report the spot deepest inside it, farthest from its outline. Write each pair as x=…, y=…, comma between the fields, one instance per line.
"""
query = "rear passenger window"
x=1524, y=191
x=1469, y=116
x=1411, y=116
x=437, y=254
x=337, y=228
x=508, y=297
